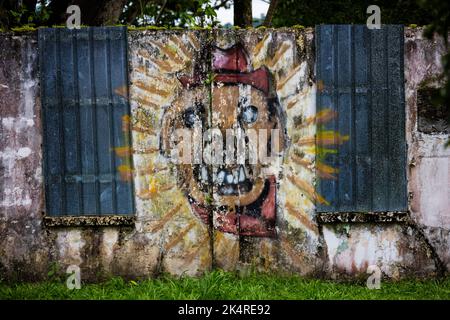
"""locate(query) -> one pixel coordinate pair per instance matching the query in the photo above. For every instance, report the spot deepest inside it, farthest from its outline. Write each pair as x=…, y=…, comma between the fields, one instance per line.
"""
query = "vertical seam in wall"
x=211, y=35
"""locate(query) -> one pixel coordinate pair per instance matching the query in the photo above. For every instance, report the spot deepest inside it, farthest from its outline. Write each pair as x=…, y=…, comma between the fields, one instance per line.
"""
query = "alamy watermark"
x=74, y=20
x=240, y=147
x=74, y=279
x=374, y=20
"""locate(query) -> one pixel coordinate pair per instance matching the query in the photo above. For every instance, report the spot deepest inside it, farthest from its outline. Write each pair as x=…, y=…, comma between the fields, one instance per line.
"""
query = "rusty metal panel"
x=85, y=106
x=360, y=83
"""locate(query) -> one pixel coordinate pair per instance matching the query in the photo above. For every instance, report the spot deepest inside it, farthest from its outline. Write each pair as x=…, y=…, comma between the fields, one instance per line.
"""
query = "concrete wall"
x=169, y=233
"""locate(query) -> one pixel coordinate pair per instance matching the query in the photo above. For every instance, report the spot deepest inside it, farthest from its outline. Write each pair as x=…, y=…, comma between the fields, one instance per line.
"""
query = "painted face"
x=232, y=184
x=242, y=195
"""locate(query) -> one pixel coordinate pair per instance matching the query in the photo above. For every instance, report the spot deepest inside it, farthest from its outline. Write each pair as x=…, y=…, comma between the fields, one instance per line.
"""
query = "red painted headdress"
x=231, y=66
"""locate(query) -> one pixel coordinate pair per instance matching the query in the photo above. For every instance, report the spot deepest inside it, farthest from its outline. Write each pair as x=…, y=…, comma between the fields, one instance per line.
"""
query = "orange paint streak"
x=151, y=89
x=146, y=150
x=180, y=236
x=307, y=189
x=278, y=55
x=162, y=65
x=181, y=46
x=302, y=217
x=283, y=82
x=324, y=138
x=260, y=45
x=122, y=91
x=321, y=117
x=126, y=172
x=123, y=151
x=168, y=52
x=144, y=130
x=292, y=103
x=194, y=42
x=169, y=215
x=146, y=102
x=304, y=163
x=191, y=255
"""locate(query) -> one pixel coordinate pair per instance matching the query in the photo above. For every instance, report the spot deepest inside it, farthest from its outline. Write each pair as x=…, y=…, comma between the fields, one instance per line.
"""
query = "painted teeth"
x=204, y=174
x=220, y=176
x=234, y=176
x=241, y=174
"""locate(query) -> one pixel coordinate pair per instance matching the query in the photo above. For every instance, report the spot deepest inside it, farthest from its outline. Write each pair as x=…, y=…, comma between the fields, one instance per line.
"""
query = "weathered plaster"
x=165, y=235
x=429, y=160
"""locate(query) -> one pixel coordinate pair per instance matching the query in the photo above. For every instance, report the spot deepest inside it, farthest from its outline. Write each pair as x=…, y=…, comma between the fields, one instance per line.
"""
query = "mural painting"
x=256, y=83
x=243, y=194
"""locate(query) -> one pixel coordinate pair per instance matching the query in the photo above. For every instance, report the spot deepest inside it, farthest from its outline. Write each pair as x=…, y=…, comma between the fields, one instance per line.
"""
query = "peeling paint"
x=166, y=234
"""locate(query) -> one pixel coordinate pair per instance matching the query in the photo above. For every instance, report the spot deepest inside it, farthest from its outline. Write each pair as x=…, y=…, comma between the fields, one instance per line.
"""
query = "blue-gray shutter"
x=360, y=76
x=80, y=72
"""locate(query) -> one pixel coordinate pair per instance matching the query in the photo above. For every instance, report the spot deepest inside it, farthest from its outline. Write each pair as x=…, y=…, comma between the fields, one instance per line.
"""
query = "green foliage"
x=24, y=28
x=310, y=13
x=23, y=16
x=185, y=13
x=54, y=273
x=226, y=285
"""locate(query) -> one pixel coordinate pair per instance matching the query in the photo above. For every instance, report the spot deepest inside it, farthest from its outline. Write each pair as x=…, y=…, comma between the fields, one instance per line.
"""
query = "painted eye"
x=192, y=115
x=249, y=114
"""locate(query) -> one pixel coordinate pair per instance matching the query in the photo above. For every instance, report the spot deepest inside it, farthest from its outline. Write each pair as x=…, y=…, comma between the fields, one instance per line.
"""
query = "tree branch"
x=136, y=10
x=272, y=8
x=160, y=12
x=220, y=4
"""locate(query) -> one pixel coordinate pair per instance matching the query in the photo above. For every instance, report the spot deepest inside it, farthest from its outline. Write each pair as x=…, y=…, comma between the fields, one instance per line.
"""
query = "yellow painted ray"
x=307, y=189
x=183, y=50
x=283, y=81
x=259, y=52
x=191, y=255
x=302, y=217
x=172, y=243
x=278, y=54
x=166, y=218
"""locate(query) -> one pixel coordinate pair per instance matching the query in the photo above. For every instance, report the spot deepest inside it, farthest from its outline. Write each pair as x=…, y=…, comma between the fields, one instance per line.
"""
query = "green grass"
x=223, y=285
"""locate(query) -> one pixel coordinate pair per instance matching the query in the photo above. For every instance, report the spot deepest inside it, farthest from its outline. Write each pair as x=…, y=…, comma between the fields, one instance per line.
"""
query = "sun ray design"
x=179, y=237
x=202, y=244
x=156, y=64
x=301, y=165
x=166, y=218
x=303, y=218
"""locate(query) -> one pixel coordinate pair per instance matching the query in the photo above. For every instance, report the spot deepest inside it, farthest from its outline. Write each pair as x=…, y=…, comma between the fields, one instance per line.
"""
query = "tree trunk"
x=243, y=13
x=109, y=13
